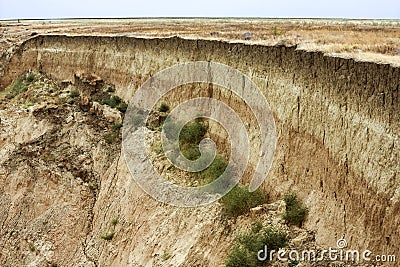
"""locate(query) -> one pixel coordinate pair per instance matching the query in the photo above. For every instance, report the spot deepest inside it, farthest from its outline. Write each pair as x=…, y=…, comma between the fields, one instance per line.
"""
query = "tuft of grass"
x=108, y=236
x=117, y=126
x=74, y=94
x=215, y=170
x=246, y=246
x=122, y=107
x=20, y=86
x=239, y=200
x=30, y=77
x=296, y=212
x=32, y=247
x=114, y=221
x=276, y=31
x=28, y=105
x=166, y=256
x=109, y=89
x=112, y=101
x=115, y=102
x=163, y=107
x=191, y=152
x=192, y=133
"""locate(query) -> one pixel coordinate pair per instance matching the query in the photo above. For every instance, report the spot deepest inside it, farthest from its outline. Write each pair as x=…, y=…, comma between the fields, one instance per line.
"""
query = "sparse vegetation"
x=30, y=77
x=115, y=102
x=246, y=246
x=192, y=133
x=239, y=200
x=166, y=256
x=163, y=107
x=32, y=247
x=191, y=152
x=122, y=107
x=74, y=94
x=276, y=31
x=109, y=89
x=111, y=137
x=20, y=85
x=108, y=236
x=189, y=137
x=215, y=170
x=114, y=221
x=28, y=105
x=296, y=212
x=117, y=126
x=94, y=186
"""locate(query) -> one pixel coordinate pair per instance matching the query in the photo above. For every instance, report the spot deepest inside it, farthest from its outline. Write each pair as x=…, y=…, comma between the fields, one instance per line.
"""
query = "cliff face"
x=338, y=141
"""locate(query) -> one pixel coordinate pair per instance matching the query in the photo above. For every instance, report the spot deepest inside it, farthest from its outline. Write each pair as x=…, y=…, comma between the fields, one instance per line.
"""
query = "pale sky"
x=13, y=9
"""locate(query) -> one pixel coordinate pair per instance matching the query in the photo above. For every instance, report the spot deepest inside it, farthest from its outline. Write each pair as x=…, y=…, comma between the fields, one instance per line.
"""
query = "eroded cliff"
x=338, y=146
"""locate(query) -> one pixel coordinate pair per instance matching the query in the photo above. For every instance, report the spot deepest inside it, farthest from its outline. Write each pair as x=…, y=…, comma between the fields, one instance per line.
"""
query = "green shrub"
x=74, y=94
x=122, y=107
x=215, y=170
x=163, y=107
x=246, y=246
x=30, y=77
x=276, y=31
x=108, y=236
x=191, y=152
x=18, y=87
x=114, y=221
x=110, y=89
x=115, y=102
x=296, y=212
x=166, y=256
x=32, y=247
x=117, y=126
x=192, y=133
x=239, y=200
x=28, y=105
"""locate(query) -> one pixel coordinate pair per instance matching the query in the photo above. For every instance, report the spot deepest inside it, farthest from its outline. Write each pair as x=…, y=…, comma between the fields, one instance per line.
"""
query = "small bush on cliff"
x=115, y=102
x=215, y=170
x=108, y=236
x=74, y=94
x=191, y=152
x=114, y=221
x=163, y=107
x=239, y=200
x=192, y=133
x=245, y=249
x=20, y=85
x=32, y=247
x=30, y=77
x=117, y=126
x=296, y=212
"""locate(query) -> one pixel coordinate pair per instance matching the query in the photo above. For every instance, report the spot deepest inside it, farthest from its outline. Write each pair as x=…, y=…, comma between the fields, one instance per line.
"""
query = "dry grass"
x=328, y=35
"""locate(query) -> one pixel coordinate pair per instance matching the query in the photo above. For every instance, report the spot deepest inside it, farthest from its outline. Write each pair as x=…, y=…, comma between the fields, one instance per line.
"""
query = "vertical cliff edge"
x=338, y=125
